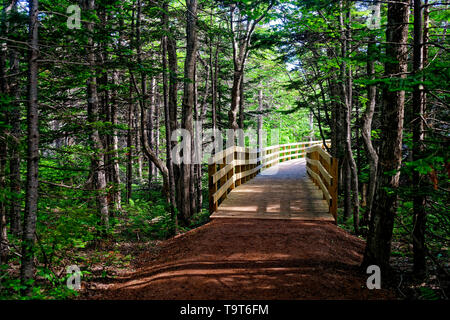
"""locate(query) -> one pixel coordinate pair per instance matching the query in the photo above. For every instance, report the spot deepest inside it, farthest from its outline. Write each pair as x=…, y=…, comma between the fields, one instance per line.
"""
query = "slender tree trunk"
x=366, y=130
x=138, y=148
x=151, y=129
x=27, y=270
x=194, y=166
x=335, y=111
x=260, y=121
x=378, y=247
x=173, y=97
x=130, y=145
x=10, y=86
x=3, y=207
x=347, y=89
x=235, y=96
x=115, y=148
x=167, y=118
x=188, y=104
x=419, y=198
x=214, y=81
x=5, y=91
x=347, y=189
x=198, y=166
x=159, y=105
x=14, y=148
x=98, y=164
x=241, y=104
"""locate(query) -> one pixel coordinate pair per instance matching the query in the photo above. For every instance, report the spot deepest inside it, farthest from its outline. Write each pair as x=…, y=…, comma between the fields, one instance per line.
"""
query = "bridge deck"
x=283, y=191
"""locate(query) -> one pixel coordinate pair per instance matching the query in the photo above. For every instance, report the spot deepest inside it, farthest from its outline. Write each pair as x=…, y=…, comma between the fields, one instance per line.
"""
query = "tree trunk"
x=260, y=122
x=418, y=107
x=11, y=88
x=366, y=130
x=115, y=148
x=151, y=129
x=130, y=145
x=3, y=207
x=158, y=106
x=27, y=270
x=198, y=166
x=347, y=188
x=98, y=164
x=214, y=80
x=378, y=247
x=241, y=104
x=173, y=97
x=347, y=90
x=188, y=104
x=167, y=119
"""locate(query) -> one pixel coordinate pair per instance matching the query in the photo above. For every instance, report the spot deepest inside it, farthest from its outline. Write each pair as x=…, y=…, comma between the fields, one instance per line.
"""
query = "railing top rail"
x=221, y=154
x=321, y=151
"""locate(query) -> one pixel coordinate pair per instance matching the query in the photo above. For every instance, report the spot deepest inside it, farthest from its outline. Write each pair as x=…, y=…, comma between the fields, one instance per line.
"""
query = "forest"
x=96, y=97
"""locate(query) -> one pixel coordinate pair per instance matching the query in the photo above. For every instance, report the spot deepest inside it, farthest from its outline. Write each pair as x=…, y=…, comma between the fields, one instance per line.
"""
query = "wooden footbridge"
x=289, y=181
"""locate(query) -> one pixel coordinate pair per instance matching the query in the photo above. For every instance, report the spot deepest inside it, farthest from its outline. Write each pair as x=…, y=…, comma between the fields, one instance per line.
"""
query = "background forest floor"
x=246, y=259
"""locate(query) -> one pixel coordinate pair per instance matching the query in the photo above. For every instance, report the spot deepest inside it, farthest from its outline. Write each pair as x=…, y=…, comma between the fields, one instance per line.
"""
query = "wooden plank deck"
x=283, y=191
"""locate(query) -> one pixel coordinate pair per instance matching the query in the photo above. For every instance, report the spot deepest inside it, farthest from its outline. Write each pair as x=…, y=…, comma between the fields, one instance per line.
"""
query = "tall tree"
x=367, y=118
x=187, y=202
x=347, y=105
x=98, y=162
x=378, y=247
x=27, y=270
x=418, y=105
x=242, y=27
x=167, y=120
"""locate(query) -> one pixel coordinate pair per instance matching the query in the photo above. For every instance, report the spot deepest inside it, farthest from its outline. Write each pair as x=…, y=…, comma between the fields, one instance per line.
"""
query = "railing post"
x=223, y=180
x=334, y=187
x=230, y=173
x=212, y=169
x=237, y=168
x=246, y=166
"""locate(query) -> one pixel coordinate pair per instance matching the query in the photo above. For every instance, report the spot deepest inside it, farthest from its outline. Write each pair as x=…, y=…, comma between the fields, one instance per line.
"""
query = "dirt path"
x=249, y=259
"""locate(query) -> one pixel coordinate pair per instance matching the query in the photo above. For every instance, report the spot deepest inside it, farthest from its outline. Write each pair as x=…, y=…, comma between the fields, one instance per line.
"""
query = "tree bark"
x=130, y=147
x=260, y=121
x=347, y=90
x=173, y=97
x=10, y=86
x=167, y=119
x=378, y=247
x=117, y=197
x=151, y=127
x=241, y=104
x=3, y=207
x=27, y=270
x=419, y=198
x=366, y=130
x=187, y=106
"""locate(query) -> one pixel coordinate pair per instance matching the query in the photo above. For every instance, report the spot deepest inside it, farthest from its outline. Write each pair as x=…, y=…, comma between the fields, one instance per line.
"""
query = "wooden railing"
x=323, y=170
x=235, y=165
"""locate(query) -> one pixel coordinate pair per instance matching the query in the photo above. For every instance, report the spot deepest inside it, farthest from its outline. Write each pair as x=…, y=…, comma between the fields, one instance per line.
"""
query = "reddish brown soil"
x=249, y=259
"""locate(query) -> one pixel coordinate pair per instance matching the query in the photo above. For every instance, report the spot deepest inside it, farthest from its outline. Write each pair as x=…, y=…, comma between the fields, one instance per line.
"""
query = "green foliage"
x=146, y=220
x=428, y=294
